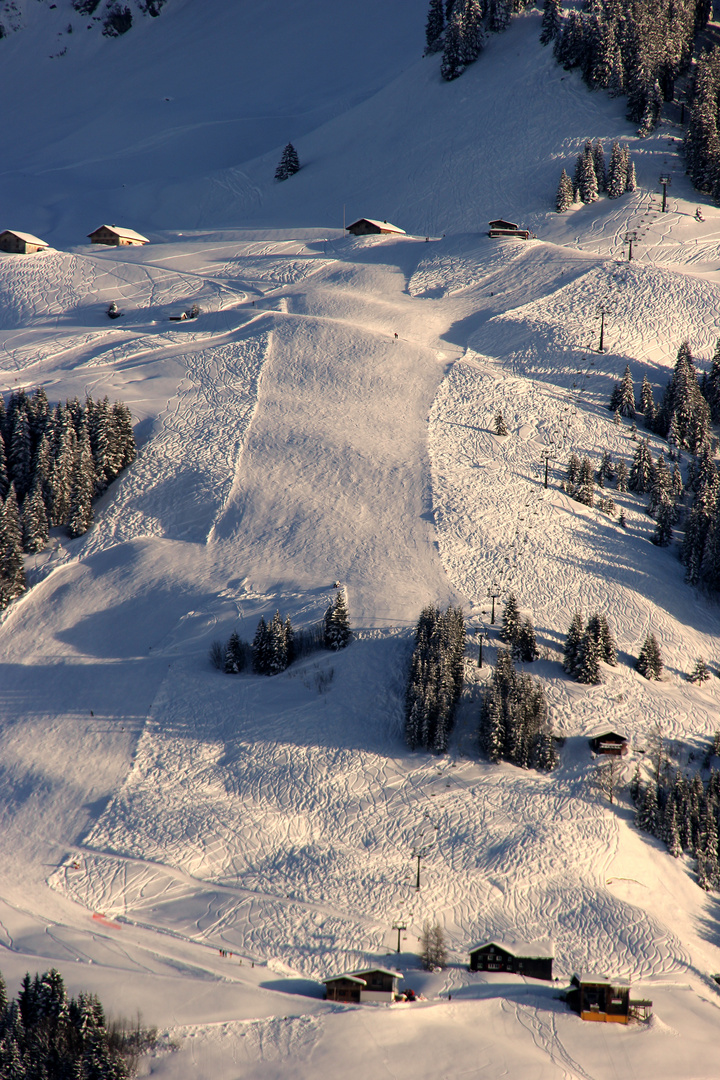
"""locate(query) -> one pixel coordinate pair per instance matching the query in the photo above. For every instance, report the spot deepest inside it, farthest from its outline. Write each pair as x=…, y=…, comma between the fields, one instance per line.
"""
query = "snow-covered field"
x=154, y=811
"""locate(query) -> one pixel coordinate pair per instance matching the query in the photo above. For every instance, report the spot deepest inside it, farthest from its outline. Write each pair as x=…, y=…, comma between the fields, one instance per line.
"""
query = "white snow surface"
x=154, y=811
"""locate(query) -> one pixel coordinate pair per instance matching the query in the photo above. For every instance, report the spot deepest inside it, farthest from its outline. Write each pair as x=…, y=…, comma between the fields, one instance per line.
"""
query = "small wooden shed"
x=369, y=226
x=596, y=997
x=117, y=236
x=367, y=985
x=531, y=958
x=611, y=741
x=21, y=243
x=501, y=227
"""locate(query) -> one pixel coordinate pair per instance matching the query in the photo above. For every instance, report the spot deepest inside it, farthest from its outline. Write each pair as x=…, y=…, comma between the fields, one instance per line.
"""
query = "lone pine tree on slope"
x=289, y=163
x=649, y=662
x=336, y=625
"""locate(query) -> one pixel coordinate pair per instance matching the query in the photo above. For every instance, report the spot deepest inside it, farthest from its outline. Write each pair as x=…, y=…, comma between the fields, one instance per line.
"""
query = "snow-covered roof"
x=120, y=230
x=543, y=948
x=384, y=225
x=603, y=730
x=26, y=236
x=501, y=223
x=348, y=977
x=593, y=978
x=384, y=971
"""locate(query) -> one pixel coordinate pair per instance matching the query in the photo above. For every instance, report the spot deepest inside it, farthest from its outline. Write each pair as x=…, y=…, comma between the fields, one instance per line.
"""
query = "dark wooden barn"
x=531, y=958
x=366, y=985
x=369, y=227
x=606, y=740
x=500, y=227
x=20, y=243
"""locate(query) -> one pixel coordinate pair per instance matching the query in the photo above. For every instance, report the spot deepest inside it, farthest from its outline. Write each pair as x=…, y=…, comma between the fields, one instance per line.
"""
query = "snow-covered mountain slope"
x=287, y=439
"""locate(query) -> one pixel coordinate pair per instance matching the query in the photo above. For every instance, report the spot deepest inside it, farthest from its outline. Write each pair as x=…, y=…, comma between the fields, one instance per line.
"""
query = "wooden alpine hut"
x=117, y=236
x=500, y=227
x=610, y=741
x=367, y=985
x=531, y=958
x=21, y=243
x=596, y=997
x=369, y=227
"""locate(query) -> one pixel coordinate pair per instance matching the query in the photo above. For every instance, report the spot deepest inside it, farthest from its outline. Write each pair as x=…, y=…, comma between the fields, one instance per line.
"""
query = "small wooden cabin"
x=367, y=985
x=117, y=236
x=500, y=227
x=595, y=997
x=21, y=243
x=609, y=741
x=369, y=227
x=531, y=958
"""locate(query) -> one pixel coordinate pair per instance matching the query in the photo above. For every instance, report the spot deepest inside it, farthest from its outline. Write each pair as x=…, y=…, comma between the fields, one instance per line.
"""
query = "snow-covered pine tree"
x=13, y=520
x=572, y=472
x=649, y=662
x=623, y=395
x=617, y=173
x=525, y=644
x=81, y=515
x=289, y=163
x=498, y=15
x=647, y=403
x=588, y=662
x=665, y=517
x=260, y=649
x=630, y=178
x=510, y=620
x=599, y=629
x=607, y=469
x=12, y=570
x=473, y=33
x=34, y=521
x=277, y=646
x=585, y=487
x=599, y=163
x=565, y=194
x=337, y=623
x=571, y=652
x=660, y=485
x=499, y=424
x=434, y=27
x=711, y=387
x=699, y=673
x=4, y=474
x=551, y=22
x=235, y=658
x=588, y=185
x=648, y=815
x=622, y=477
x=20, y=457
x=452, y=65
x=641, y=470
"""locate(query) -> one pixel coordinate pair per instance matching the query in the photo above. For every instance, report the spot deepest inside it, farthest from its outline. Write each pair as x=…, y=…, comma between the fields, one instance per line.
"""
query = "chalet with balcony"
x=612, y=741
x=500, y=227
x=531, y=958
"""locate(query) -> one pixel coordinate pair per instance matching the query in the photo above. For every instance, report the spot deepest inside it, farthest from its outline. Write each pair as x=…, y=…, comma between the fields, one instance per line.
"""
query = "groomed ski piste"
x=154, y=811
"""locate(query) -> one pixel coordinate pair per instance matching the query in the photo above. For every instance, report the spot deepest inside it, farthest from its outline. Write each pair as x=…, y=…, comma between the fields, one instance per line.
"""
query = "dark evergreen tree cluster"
x=682, y=811
x=684, y=414
x=289, y=163
x=273, y=647
x=53, y=461
x=702, y=140
x=592, y=177
x=518, y=632
x=579, y=481
x=514, y=719
x=637, y=48
x=44, y=1035
x=436, y=678
x=336, y=624
x=586, y=646
x=457, y=28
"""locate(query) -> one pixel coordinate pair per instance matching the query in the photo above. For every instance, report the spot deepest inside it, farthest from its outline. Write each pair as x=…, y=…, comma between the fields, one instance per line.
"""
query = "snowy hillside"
x=329, y=416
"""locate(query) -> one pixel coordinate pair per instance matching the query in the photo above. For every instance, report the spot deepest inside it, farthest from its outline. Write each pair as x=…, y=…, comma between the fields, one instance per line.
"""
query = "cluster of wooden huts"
x=22, y=243
x=592, y=996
